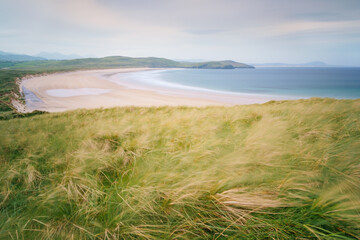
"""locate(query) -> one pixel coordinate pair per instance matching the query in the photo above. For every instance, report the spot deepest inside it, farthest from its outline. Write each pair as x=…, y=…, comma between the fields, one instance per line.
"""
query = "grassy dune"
x=281, y=170
x=9, y=91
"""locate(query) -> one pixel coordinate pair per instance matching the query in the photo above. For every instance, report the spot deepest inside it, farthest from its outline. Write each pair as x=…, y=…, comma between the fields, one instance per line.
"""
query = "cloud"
x=82, y=13
x=300, y=27
x=204, y=31
x=176, y=28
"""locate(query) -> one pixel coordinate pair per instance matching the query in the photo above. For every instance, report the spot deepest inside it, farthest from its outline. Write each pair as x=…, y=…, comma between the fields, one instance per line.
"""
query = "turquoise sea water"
x=291, y=83
x=296, y=82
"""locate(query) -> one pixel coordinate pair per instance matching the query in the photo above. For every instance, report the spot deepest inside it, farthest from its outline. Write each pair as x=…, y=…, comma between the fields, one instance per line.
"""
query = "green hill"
x=94, y=63
x=228, y=64
x=281, y=170
x=118, y=62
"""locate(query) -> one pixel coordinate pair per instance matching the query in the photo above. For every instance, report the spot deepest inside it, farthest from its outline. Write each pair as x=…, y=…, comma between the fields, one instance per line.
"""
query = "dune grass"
x=9, y=91
x=281, y=170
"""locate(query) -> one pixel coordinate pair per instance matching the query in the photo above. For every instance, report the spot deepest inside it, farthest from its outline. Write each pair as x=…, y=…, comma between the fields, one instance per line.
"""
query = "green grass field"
x=281, y=170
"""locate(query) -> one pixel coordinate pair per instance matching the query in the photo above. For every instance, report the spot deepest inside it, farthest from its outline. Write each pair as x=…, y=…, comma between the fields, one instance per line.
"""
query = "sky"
x=249, y=31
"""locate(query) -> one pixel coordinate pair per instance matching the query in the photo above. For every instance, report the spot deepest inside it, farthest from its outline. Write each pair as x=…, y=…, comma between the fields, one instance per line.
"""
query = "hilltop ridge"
x=113, y=62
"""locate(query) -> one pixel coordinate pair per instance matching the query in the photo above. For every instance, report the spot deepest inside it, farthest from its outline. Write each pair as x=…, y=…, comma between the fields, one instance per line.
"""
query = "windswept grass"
x=281, y=170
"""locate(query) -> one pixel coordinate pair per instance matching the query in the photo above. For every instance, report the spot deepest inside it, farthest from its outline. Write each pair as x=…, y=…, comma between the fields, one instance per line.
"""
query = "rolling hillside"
x=115, y=62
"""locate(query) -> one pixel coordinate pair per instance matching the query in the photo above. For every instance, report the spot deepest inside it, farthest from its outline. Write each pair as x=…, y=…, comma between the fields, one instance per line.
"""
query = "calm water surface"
x=292, y=82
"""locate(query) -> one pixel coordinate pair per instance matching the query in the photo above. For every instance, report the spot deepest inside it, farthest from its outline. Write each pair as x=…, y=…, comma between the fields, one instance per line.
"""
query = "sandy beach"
x=90, y=89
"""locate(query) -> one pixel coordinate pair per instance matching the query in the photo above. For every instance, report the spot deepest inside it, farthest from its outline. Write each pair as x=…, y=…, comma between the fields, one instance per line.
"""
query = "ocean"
x=277, y=83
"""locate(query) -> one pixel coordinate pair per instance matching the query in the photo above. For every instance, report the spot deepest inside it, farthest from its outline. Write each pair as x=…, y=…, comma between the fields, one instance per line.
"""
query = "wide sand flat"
x=116, y=95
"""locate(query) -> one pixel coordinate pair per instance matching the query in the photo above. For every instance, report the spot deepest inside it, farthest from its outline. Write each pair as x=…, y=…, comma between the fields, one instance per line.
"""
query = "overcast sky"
x=250, y=31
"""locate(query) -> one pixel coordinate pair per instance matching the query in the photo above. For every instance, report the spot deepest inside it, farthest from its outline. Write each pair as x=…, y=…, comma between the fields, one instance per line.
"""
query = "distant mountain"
x=309, y=64
x=12, y=57
x=57, y=56
x=316, y=64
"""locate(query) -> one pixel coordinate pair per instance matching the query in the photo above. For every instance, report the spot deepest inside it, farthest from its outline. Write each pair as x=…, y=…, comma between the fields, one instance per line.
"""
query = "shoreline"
x=114, y=94
x=178, y=89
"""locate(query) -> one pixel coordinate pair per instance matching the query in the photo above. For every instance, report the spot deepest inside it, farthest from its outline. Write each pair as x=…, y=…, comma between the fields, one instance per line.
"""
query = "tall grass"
x=281, y=170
